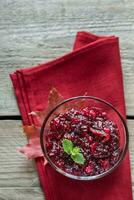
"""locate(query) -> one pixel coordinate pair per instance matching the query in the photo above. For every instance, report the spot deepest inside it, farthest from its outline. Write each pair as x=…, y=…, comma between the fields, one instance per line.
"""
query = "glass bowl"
x=81, y=102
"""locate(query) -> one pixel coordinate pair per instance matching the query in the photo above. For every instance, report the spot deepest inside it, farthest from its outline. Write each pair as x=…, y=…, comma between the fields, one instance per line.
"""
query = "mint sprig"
x=67, y=146
x=74, y=152
x=78, y=158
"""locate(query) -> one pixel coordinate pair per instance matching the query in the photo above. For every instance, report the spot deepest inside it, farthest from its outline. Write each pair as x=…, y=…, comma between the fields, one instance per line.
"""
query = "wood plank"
x=131, y=149
x=29, y=193
x=15, y=170
x=18, y=177
x=37, y=31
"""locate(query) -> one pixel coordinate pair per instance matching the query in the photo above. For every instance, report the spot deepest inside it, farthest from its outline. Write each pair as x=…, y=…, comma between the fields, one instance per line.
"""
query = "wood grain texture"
x=18, y=177
x=13, y=165
x=28, y=193
x=36, y=31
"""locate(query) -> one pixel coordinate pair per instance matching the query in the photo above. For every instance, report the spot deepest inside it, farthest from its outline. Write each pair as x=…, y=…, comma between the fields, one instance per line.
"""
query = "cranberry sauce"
x=93, y=132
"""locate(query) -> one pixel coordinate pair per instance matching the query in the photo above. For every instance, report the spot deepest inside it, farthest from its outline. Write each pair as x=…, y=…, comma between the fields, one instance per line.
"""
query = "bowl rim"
x=86, y=178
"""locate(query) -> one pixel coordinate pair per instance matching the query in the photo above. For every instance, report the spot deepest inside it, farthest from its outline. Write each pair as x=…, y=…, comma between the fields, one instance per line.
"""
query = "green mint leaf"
x=78, y=158
x=75, y=151
x=67, y=146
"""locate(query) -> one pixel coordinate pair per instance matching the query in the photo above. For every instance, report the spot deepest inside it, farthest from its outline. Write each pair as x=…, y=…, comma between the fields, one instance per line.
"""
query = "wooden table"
x=37, y=30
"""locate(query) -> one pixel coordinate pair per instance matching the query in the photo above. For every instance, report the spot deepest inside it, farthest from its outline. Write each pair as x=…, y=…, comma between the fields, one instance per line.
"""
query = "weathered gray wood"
x=18, y=177
x=15, y=170
x=131, y=148
x=37, y=30
x=28, y=193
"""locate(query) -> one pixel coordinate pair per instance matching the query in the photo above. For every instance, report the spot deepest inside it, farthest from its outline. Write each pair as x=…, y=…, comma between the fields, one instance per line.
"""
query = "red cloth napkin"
x=94, y=67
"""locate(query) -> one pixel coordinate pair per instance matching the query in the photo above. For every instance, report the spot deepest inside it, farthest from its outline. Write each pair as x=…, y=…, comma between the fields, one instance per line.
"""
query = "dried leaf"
x=79, y=104
x=39, y=116
x=32, y=149
x=31, y=131
x=54, y=99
